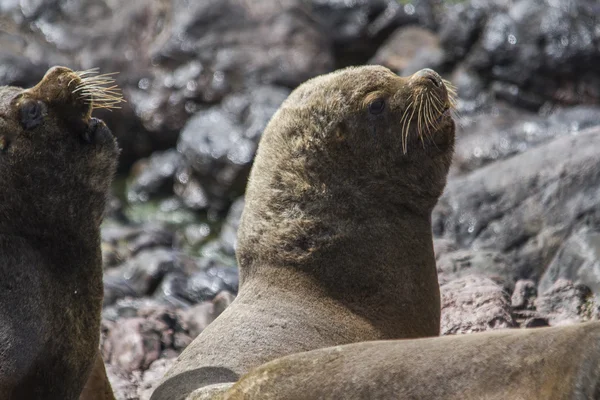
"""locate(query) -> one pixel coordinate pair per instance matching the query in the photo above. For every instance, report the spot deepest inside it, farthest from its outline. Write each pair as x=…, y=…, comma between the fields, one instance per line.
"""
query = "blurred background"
x=516, y=232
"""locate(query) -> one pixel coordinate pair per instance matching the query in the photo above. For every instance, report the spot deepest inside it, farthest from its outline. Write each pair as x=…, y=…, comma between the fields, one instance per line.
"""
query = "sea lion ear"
x=32, y=113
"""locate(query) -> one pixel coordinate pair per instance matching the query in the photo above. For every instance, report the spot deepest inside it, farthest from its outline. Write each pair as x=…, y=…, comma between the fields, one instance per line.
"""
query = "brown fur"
x=335, y=242
x=536, y=364
x=55, y=175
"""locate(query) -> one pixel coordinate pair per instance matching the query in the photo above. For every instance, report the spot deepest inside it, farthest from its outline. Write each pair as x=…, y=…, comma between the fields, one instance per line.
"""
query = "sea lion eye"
x=377, y=106
x=32, y=114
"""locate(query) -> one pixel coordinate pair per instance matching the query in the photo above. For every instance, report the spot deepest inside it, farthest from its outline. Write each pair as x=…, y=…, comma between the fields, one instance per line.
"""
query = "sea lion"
x=56, y=167
x=335, y=242
x=561, y=363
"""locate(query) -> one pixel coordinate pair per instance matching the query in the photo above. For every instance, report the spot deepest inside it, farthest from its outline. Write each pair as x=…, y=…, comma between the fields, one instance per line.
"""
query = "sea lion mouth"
x=429, y=105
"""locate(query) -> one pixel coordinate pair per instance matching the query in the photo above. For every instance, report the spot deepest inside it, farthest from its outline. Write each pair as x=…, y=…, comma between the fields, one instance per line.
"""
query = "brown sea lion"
x=335, y=242
x=561, y=363
x=56, y=167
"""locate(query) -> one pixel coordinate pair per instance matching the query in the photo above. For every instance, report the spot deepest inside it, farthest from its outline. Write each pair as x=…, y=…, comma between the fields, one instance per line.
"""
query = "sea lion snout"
x=433, y=81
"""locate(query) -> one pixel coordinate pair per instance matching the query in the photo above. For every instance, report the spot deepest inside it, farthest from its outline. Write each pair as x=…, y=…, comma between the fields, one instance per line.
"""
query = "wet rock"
x=577, y=260
x=489, y=264
x=409, y=50
x=155, y=176
x=234, y=41
x=506, y=131
x=173, y=290
x=566, y=303
x=144, y=272
x=116, y=287
x=205, y=285
x=525, y=206
x=129, y=307
x=474, y=304
x=356, y=28
x=537, y=50
x=524, y=295
x=219, y=145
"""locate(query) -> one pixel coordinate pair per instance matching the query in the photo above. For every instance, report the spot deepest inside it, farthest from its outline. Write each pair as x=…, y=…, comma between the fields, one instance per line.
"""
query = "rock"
x=489, y=264
x=145, y=272
x=205, y=285
x=442, y=246
x=198, y=317
x=577, y=260
x=234, y=40
x=219, y=145
x=408, y=50
x=116, y=287
x=356, y=28
x=152, y=376
x=536, y=50
x=474, y=304
x=524, y=295
x=525, y=206
x=156, y=176
x=124, y=385
x=133, y=345
x=566, y=303
x=505, y=131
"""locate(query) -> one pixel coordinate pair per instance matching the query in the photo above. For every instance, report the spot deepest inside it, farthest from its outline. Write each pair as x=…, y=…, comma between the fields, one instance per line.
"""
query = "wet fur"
x=54, y=189
x=335, y=241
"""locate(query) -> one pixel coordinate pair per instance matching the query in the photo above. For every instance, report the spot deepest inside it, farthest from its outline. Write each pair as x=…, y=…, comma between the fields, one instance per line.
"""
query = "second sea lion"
x=335, y=243
x=56, y=167
x=561, y=363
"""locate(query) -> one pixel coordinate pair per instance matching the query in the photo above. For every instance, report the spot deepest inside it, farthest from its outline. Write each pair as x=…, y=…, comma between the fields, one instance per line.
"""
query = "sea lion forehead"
x=349, y=85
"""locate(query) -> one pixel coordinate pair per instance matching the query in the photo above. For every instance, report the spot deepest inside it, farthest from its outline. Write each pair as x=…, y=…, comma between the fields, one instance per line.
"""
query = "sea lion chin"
x=56, y=167
x=335, y=243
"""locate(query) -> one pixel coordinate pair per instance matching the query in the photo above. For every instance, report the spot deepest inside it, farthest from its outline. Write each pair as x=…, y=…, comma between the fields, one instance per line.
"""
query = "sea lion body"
x=334, y=244
x=56, y=166
x=560, y=363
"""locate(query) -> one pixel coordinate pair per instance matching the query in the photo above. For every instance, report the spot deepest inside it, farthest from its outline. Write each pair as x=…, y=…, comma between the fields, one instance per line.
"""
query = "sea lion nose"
x=431, y=75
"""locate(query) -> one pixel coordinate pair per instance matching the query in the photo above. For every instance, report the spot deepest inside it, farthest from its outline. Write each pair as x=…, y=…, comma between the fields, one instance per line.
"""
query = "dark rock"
x=577, y=260
x=205, y=285
x=357, y=28
x=235, y=41
x=489, y=264
x=536, y=323
x=116, y=287
x=173, y=290
x=505, y=131
x=151, y=237
x=525, y=206
x=156, y=176
x=409, y=50
x=566, y=303
x=524, y=295
x=144, y=272
x=474, y=304
x=219, y=145
x=129, y=307
x=537, y=50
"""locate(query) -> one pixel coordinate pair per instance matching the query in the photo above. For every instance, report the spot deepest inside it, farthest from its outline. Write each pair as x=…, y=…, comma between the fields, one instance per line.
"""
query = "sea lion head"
x=56, y=161
x=349, y=146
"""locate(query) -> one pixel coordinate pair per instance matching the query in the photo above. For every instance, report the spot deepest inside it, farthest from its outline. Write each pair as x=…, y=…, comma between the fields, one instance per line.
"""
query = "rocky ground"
x=516, y=232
